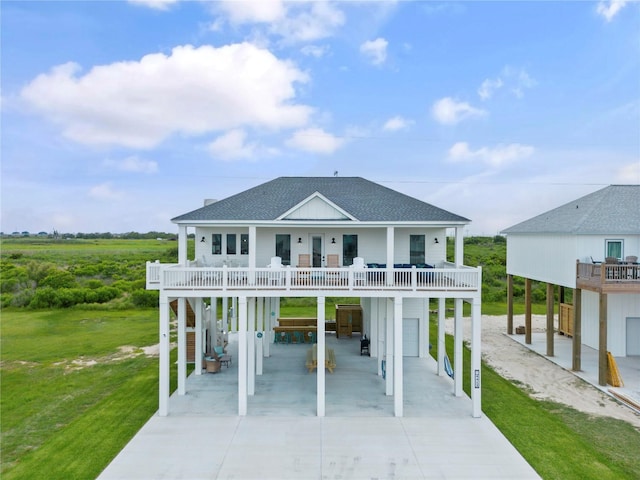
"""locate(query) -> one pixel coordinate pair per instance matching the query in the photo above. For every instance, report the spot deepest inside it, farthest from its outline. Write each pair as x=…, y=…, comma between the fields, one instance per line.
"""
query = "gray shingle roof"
x=366, y=201
x=612, y=210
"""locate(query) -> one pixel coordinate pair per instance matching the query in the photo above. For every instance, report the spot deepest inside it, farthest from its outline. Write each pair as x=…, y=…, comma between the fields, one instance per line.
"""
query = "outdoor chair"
x=304, y=260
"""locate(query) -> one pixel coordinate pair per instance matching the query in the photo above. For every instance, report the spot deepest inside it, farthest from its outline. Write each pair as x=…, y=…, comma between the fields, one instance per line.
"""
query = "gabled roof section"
x=613, y=210
x=359, y=199
x=317, y=203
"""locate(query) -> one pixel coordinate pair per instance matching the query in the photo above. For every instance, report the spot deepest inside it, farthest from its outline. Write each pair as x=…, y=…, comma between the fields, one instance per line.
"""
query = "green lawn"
x=63, y=422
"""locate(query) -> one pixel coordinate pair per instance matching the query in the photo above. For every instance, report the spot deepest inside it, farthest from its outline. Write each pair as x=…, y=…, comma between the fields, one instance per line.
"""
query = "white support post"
x=259, y=344
x=268, y=328
x=398, y=400
x=389, y=348
x=476, y=345
x=234, y=314
x=441, y=328
x=163, y=390
x=457, y=348
x=213, y=335
x=225, y=314
x=198, y=350
x=382, y=328
x=423, y=330
x=321, y=357
x=182, y=245
x=252, y=254
x=459, y=247
x=182, y=346
x=390, y=251
x=373, y=327
x=251, y=347
x=242, y=357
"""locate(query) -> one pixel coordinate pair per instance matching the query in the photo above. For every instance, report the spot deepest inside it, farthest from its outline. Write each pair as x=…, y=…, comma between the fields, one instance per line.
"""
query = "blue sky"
x=118, y=116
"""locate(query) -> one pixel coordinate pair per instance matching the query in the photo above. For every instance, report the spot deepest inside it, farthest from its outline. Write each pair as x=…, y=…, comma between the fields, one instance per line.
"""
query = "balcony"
x=290, y=281
x=609, y=278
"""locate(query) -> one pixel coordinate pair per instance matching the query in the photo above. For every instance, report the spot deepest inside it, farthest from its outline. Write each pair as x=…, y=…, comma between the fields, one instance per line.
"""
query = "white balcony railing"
x=176, y=277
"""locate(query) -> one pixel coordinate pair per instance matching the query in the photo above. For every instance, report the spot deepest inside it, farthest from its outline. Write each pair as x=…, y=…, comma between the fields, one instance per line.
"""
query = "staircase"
x=191, y=323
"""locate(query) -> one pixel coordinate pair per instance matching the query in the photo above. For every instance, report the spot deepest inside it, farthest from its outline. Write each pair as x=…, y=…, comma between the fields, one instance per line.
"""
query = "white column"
x=397, y=358
x=251, y=347
x=457, y=348
x=321, y=357
x=234, y=314
x=459, y=247
x=214, y=321
x=182, y=245
x=163, y=390
x=198, y=351
x=390, y=250
x=476, y=346
x=441, y=345
x=268, y=328
x=389, y=348
x=382, y=328
x=182, y=346
x=423, y=330
x=373, y=328
x=242, y=357
x=259, y=345
x=225, y=314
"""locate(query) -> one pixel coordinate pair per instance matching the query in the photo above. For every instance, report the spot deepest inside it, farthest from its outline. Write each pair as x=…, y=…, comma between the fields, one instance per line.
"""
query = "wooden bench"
x=295, y=333
x=312, y=359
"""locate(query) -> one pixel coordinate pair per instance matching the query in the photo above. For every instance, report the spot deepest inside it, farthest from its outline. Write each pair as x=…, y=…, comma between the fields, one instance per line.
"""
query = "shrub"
x=43, y=298
x=144, y=298
x=59, y=279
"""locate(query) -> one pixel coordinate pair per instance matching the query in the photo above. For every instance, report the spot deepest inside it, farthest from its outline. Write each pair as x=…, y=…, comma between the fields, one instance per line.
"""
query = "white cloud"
x=191, y=91
x=105, y=192
x=293, y=21
x=375, y=50
x=315, y=140
x=316, y=51
x=609, y=9
x=488, y=87
x=232, y=145
x=155, y=4
x=397, y=123
x=449, y=111
x=133, y=164
x=515, y=80
x=495, y=157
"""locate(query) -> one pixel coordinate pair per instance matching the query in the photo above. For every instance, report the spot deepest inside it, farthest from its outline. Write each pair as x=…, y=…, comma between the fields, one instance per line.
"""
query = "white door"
x=410, y=337
x=633, y=336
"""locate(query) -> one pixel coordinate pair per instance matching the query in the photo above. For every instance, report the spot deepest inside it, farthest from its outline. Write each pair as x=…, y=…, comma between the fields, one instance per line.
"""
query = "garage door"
x=410, y=337
x=633, y=336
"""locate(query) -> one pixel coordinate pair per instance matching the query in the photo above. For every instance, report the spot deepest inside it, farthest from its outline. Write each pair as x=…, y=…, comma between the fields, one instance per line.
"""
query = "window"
x=231, y=243
x=349, y=249
x=416, y=249
x=614, y=248
x=216, y=244
x=283, y=248
x=244, y=244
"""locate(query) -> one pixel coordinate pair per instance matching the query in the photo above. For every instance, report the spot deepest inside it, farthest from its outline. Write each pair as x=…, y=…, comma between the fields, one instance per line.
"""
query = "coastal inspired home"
x=317, y=237
x=591, y=245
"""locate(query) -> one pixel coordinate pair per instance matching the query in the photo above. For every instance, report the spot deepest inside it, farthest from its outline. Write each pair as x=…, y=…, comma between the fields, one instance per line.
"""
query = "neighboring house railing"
x=176, y=277
x=599, y=275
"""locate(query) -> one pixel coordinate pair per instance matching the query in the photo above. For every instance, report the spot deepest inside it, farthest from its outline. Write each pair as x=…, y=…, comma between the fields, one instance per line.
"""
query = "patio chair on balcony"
x=612, y=273
x=304, y=260
x=359, y=275
x=333, y=262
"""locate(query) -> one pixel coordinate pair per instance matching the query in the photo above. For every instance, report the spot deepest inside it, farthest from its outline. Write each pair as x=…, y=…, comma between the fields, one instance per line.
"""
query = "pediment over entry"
x=316, y=207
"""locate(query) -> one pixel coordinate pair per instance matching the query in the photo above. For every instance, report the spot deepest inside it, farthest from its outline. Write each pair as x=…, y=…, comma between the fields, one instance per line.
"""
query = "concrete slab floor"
x=282, y=438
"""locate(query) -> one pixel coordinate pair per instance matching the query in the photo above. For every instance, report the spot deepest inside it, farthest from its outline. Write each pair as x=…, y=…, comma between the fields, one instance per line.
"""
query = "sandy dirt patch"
x=541, y=377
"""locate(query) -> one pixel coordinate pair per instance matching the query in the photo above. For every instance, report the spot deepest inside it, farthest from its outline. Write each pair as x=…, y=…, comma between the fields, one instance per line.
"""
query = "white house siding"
x=316, y=208
x=545, y=258
x=435, y=253
x=594, y=246
x=619, y=308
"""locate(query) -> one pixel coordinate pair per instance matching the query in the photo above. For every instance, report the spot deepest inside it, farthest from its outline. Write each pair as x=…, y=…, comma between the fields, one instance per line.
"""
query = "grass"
x=60, y=421
x=556, y=440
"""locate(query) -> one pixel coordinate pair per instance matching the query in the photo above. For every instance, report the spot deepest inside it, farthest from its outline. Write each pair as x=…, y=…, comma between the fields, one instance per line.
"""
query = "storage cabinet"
x=348, y=320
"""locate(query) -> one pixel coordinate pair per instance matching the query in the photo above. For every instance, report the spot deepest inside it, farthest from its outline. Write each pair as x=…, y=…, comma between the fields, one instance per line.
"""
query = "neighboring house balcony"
x=296, y=281
x=609, y=277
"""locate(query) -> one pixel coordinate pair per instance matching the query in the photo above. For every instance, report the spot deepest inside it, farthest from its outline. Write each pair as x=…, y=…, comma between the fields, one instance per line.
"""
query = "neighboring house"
x=317, y=237
x=591, y=245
